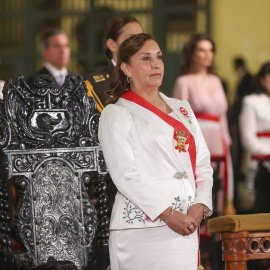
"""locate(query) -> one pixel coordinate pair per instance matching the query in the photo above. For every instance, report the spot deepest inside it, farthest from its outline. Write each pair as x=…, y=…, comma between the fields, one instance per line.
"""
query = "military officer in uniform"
x=98, y=82
x=119, y=30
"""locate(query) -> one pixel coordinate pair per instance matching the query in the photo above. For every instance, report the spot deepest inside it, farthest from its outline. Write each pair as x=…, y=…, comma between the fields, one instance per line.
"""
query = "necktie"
x=61, y=79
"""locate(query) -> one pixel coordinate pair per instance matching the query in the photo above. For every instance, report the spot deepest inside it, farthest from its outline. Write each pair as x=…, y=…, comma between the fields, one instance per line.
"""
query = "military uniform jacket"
x=144, y=165
x=98, y=84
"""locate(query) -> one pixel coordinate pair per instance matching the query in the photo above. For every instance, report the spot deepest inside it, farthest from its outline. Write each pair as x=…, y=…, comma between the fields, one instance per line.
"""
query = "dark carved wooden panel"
x=246, y=245
x=49, y=141
x=240, y=247
x=46, y=117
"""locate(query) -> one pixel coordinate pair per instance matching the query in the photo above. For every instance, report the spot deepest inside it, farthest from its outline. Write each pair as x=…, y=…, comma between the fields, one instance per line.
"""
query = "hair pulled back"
x=189, y=50
x=256, y=86
x=115, y=30
x=127, y=49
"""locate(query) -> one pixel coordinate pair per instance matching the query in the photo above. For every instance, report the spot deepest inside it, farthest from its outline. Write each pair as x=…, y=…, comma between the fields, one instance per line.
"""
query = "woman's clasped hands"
x=184, y=224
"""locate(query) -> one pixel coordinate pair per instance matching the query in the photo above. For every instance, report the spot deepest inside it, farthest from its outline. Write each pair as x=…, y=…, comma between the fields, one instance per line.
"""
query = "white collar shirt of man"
x=59, y=75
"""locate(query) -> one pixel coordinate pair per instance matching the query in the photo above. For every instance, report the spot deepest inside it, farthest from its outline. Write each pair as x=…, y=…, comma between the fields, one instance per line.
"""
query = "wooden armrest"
x=238, y=223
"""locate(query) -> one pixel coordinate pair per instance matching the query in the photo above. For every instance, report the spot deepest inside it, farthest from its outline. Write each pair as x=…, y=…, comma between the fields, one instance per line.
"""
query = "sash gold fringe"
x=200, y=267
x=229, y=208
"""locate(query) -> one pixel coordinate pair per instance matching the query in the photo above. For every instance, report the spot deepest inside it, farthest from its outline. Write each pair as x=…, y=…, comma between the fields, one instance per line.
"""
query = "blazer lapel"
x=187, y=121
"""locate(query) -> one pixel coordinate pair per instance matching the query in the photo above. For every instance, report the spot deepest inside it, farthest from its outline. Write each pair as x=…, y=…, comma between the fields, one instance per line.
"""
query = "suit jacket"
x=44, y=71
x=139, y=153
x=98, y=83
x=243, y=89
x=254, y=118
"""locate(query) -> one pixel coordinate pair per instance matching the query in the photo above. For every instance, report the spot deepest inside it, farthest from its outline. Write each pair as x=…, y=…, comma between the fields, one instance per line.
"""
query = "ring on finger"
x=190, y=227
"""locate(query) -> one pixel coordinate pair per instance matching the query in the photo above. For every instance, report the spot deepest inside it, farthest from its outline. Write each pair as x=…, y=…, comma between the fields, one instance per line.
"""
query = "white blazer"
x=143, y=163
x=254, y=118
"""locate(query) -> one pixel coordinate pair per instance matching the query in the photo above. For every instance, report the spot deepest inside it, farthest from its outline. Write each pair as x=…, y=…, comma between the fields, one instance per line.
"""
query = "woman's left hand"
x=196, y=211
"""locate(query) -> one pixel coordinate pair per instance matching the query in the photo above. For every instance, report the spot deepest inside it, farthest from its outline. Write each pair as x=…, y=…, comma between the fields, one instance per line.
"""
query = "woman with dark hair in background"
x=159, y=162
x=203, y=90
x=97, y=83
x=255, y=135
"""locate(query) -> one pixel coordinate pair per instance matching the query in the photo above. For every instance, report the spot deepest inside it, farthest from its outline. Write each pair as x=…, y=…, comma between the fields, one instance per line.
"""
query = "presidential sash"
x=183, y=139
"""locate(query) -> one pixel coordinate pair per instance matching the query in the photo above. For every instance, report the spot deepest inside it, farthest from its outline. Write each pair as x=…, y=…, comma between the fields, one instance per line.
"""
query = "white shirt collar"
x=113, y=62
x=56, y=72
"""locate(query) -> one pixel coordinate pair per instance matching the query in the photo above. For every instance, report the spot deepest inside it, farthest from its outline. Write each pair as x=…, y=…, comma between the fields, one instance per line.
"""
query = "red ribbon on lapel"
x=178, y=126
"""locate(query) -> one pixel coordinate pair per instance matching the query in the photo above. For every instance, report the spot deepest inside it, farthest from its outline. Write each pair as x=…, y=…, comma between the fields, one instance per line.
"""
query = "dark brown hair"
x=265, y=69
x=44, y=40
x=256, y=86
x=127, y=49
x=189, y=49
x=115, y=30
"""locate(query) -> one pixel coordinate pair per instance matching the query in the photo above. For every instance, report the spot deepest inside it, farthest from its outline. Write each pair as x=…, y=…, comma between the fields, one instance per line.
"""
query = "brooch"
x=185, y=113
x=180, y=175
x=181, y=140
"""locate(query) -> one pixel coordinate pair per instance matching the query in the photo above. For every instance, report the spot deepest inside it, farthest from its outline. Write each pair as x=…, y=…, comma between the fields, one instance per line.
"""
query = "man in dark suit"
x=55, y=50
x=243, y=88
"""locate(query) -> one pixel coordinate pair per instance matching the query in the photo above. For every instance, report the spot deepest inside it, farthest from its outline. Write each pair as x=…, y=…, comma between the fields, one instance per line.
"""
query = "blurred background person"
x=119, y=30
x=1, y=88
x=244, y=79
x=203, y=90
x=54, y=45
x=255, y=133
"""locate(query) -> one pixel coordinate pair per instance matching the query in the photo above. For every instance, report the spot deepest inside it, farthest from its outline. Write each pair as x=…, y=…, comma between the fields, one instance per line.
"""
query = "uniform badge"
x=181, y=140
x=185, y=113
x=98, y=78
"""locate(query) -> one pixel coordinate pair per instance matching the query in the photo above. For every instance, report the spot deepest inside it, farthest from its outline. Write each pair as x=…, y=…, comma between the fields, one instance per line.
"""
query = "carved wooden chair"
x=244, y=238
x=48, y=141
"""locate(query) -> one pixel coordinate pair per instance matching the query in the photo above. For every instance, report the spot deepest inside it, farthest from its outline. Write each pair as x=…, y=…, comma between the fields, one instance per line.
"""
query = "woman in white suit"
x=255, y=135
x=159, y=162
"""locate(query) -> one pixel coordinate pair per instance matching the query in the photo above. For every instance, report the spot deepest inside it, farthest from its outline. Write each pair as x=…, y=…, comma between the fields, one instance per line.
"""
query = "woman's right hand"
x=179, y=222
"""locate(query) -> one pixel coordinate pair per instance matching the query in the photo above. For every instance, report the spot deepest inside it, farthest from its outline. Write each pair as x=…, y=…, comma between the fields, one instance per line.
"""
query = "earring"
x=128, y=79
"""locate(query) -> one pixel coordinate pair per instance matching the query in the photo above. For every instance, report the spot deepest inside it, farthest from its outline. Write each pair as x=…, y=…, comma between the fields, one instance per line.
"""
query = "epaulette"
x=97, y=77
x=97, y=84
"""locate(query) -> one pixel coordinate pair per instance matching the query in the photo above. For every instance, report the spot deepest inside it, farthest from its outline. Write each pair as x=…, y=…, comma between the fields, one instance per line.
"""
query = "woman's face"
x=146, y=67
x=203, y=54
x=265, y=81
x=128, y=30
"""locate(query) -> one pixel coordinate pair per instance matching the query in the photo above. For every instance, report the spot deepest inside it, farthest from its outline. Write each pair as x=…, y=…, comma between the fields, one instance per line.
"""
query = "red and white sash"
x=177, y=126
